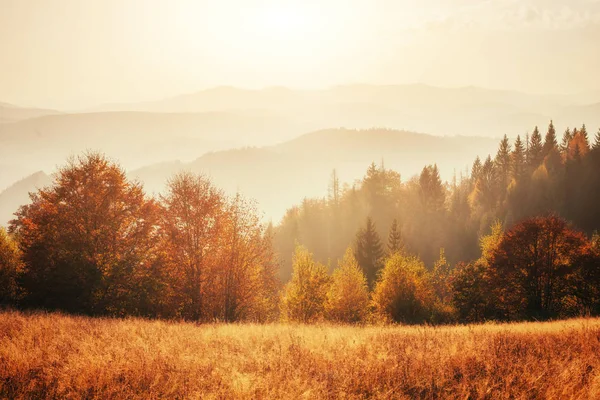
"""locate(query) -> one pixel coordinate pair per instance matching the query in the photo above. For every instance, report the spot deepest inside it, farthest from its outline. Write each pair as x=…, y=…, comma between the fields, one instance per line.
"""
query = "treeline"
x=534, y=175
x=93, y=243
x=380, y=250
x=539, y=269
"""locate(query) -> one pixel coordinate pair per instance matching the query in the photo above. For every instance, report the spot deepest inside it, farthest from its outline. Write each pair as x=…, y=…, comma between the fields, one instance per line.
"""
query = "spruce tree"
x=566, y=140
x=584, y=134
x=502, y=162
x=534, y=154
x=394, y=238
x=475, y=170
x=518, y=160
x=596, y=145
x=550, y=140
x=369, y=252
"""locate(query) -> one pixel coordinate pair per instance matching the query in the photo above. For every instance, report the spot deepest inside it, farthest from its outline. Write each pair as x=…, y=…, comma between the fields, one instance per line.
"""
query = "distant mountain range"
x=282, y=175
x=265, y=124
x=12, y=113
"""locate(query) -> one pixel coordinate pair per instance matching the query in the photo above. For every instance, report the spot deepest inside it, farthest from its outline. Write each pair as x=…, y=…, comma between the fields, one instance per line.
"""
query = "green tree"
x=368, y=251
x=305, y=294
x=348, y=294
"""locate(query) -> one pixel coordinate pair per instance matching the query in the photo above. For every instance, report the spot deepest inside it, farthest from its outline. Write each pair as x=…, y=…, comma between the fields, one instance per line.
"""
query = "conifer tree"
x=550, y=140
x=566, y=140
x=503, y=164
x=394, y=238
x=518, y=160
x=369, y=252
x=534, y=154
x=583, y=132
x=476, y=169
x=596, y=145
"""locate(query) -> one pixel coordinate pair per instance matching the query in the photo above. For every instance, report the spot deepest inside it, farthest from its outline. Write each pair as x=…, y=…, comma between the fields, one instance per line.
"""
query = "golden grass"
x=53, y=355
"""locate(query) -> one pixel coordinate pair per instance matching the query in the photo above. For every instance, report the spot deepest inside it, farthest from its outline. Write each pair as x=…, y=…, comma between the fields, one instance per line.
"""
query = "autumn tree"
x=85, y=240
x=368, y=251
x=403, y=292
x=10, y=269
x=531, y=266
x=192, y=226
x=246, y=280
x=348, y=295
x=471, y=292
x=305, y=294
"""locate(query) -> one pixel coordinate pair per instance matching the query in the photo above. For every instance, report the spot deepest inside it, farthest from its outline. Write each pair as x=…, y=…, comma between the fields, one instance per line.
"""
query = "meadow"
x=50, y=355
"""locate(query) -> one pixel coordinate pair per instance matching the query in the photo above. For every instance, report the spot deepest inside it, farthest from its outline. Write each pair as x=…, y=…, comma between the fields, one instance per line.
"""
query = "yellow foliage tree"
x=304, y=296
x=348, y=295
x=10, y=268
x=404, y=292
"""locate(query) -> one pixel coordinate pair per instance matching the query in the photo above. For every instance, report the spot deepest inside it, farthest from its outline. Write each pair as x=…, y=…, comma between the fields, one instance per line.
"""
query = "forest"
x=513, y=238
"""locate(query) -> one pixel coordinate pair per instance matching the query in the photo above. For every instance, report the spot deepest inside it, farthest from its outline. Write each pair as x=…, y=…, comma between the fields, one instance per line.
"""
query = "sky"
x=72, y=54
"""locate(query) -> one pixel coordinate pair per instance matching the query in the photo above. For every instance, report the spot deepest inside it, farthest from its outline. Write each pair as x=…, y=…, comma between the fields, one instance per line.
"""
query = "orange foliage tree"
x=85, y=240
x=532, y=270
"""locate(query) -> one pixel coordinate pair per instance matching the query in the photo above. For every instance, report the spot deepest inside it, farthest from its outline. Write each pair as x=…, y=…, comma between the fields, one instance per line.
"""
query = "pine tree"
x=502, y=162
x=550, y=140
x=431, y=189
x=369, y=252
x=566, y=140
x=394, y=238
x=334, y=189
x=583, y=132
x=596, y=145
x=534, y=154
x=518, y=160
x=476, y=169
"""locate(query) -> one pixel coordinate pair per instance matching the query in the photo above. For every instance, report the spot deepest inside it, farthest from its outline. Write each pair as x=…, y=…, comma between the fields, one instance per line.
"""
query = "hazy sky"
x=77, y=53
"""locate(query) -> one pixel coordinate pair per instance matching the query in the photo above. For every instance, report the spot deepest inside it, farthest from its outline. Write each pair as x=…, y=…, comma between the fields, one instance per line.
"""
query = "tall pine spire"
x=534, y=153
x=368, y=250
x=394, y=238
x=550, y=140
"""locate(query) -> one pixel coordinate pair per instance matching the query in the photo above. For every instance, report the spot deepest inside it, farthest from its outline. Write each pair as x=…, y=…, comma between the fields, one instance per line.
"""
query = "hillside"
x=281, y=175
x=56, y=356
x=13, y=113
x=468, y=110
x=18, y=194
x=135, y=138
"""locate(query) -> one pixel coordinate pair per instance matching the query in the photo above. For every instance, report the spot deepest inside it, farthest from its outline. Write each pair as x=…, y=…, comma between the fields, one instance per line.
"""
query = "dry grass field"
x=58, y=356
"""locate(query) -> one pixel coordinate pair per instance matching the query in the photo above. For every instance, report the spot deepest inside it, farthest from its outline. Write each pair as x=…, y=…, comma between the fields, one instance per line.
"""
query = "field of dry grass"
x=58, y=356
